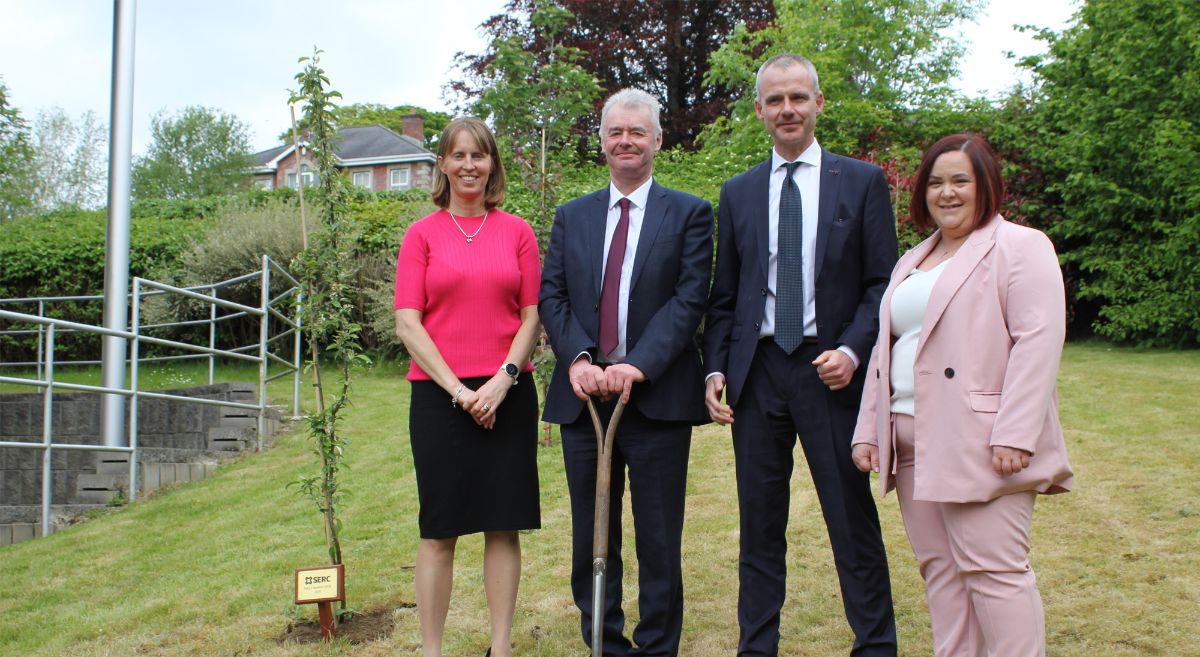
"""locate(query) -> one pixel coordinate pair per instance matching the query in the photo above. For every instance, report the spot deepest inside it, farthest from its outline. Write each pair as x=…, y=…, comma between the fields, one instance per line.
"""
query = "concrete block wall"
x=173, y=436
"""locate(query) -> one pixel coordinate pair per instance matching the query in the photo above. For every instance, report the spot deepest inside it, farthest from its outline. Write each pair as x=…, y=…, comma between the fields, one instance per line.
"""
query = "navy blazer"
x=667, y=296
x=855, y=252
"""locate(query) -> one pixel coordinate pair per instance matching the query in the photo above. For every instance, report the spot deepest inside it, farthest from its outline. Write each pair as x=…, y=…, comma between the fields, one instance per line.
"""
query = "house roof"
x=357, y=146
x=263, y=158
x=374, y=141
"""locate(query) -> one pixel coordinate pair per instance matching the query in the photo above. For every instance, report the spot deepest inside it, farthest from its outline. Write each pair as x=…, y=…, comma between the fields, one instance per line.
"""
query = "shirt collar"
x=810, y=156
x=637, y=198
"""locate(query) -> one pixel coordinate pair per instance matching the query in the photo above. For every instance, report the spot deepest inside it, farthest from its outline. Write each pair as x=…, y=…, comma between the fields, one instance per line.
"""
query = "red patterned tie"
x=611, y=290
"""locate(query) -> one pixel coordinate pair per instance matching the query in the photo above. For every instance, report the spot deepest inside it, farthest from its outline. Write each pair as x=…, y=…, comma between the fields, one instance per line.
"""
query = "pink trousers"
x=974, y=557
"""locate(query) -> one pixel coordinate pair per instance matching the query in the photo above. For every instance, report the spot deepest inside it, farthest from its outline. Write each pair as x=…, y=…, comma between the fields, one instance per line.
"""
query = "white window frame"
x=400, y=178
x=355, y=176
x=308, y=176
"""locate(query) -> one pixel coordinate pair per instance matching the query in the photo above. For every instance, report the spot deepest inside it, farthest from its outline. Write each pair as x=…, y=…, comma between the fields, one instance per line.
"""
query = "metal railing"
x=47, y=328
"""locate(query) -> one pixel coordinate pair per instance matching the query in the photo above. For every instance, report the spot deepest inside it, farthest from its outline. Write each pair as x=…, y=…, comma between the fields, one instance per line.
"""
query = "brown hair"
x=493, y=192
x=989, y=185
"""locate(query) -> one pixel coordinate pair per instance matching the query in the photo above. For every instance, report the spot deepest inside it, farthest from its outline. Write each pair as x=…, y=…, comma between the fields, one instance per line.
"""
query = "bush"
x=63, y=254
x=238, y=237
x=269, y=223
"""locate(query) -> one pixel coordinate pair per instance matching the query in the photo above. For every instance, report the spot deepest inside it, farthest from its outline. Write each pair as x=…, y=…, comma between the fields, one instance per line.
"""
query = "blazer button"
x=596, y=307
x=763, y=291
x=949, y=372
x=757, y=325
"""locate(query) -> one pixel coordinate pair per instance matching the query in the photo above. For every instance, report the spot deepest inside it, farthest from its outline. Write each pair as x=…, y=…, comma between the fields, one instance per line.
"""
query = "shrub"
x=63, y=254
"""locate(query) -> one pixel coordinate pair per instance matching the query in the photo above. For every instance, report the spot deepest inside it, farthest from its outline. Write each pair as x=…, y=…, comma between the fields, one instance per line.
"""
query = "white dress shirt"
x=637, y=210
x=808, y=180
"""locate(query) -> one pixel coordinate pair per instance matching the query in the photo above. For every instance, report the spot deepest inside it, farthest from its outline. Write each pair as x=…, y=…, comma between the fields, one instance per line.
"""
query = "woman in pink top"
x=466, y=309
x=959, y=412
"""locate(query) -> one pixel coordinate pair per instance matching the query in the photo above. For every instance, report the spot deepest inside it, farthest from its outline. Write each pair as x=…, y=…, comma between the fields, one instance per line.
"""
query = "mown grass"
x=205, y=569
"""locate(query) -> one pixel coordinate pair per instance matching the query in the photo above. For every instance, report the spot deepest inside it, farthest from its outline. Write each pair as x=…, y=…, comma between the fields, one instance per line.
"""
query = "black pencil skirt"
x=471, y=479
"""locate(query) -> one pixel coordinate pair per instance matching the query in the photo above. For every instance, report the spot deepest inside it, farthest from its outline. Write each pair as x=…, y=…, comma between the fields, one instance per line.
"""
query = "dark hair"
x=493, y=192
x=989, y=185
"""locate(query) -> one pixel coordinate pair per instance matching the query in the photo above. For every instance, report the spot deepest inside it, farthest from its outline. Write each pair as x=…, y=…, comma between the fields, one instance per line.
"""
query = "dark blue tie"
x=789, y=266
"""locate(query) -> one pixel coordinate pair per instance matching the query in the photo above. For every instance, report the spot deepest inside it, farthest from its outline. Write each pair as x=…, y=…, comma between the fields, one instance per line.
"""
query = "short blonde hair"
x=493, y=193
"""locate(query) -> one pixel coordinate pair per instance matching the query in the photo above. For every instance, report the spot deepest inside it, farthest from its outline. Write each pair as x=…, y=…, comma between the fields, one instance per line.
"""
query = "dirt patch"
x=363, y=627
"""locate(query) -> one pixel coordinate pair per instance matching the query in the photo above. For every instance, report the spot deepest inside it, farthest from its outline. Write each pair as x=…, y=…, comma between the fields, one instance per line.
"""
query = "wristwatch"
x=512, y=371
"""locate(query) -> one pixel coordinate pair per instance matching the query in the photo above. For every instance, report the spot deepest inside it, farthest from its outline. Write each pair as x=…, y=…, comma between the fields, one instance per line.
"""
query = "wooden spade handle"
x=604, y=443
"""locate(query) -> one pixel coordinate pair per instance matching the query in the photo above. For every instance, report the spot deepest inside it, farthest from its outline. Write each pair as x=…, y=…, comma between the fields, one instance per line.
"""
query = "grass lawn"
x=205, y=569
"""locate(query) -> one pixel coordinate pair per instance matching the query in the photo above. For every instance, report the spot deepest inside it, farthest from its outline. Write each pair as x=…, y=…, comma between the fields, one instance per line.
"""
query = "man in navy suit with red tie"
x=806, y=242
x=624, y=286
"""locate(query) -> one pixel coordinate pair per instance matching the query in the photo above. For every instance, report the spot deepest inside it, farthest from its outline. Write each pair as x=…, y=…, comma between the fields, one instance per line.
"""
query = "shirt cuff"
x=711, y=375
x=850, y=352
x=583, y=353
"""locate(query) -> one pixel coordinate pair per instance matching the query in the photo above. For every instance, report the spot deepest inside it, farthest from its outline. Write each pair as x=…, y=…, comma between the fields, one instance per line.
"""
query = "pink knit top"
x=469, y=294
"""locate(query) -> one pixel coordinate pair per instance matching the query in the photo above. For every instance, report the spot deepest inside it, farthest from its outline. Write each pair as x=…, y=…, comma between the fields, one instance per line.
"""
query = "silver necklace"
x=470, y=237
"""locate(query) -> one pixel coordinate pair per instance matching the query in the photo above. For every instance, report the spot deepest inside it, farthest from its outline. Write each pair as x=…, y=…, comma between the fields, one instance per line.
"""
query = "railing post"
x=41, y=338
x=263, y=326
x=212, y=334
x=296, y=358
x=48, y=433
x=134, y=368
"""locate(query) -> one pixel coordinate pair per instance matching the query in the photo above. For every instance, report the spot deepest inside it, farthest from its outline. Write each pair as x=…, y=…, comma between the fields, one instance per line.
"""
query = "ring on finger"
x=486, y=407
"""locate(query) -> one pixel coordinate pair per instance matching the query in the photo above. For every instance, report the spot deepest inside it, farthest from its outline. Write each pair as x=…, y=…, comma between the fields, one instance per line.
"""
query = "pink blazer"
x=985, y=369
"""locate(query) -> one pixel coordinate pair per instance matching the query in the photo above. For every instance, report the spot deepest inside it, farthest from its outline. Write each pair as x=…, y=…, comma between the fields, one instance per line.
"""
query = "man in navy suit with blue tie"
x=624, y=286
x=806, y=242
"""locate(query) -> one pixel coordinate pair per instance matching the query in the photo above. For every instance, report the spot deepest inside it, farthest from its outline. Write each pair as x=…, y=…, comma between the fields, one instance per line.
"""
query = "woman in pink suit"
x=960, y=413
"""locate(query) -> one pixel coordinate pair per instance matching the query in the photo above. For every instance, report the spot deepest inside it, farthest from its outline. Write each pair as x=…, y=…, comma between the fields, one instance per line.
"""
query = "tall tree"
x=198, y=152
x=1117, y=128
x=532, y=104
x=69, y=163
x=661, y=46
x=879, y=61
x=16, y=155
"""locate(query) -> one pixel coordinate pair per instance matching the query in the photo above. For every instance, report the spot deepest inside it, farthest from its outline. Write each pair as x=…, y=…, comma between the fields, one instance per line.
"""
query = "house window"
x=264, y=184
x=309, y=177
x=399, y=178
x=361, y=179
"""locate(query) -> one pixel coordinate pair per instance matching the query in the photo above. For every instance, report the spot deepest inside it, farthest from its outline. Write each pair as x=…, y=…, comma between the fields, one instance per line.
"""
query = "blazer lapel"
x=978, y=244
x=759, y=184
x=597, y=219
x=831, y=178
x=657, y=205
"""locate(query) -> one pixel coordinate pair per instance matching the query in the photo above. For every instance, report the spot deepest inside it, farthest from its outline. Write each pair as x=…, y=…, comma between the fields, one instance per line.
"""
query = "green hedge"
x=63, y=254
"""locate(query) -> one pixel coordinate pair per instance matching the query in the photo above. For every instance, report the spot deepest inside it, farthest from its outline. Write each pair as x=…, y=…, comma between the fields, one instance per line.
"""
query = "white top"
x=909, y=301
x=637, y=210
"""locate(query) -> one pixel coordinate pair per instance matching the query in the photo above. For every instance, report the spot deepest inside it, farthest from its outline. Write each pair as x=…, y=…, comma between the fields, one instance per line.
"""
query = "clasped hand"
x=589, y=379
x=482, y=403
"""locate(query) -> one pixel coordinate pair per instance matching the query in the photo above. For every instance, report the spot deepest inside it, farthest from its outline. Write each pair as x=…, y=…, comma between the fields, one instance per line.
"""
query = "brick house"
x=374, y=158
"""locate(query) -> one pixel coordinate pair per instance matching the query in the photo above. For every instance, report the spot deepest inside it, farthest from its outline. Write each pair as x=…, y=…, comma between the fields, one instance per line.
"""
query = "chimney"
x=414, y=126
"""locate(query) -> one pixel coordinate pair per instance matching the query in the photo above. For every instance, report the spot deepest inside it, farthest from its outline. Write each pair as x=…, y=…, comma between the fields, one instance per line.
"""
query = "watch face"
x=511, y=370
